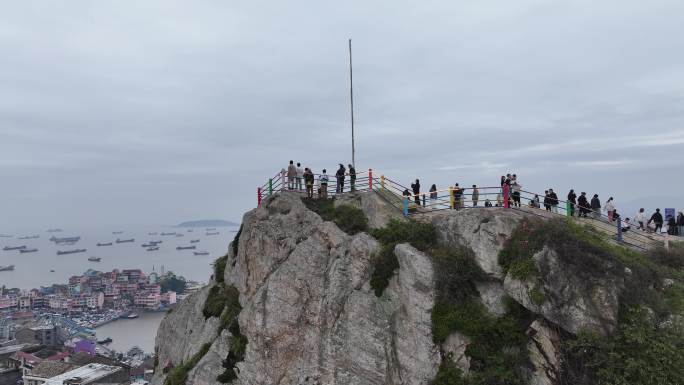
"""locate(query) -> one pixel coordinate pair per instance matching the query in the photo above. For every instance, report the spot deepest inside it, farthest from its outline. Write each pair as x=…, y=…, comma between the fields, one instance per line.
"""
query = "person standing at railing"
x=515, y=187
x=323, y=185
x=299, y=177
x=610, y=209
x=657, y=219
x=671, y=225
x=308, y=182
x=640, y=219
x=433, y=195
x=547, y=205
x=535, y=201
x=458, y=195
x=583, y=204
x=283, y=175
x=596, y=207
x=553, y=201
x=572, y=202
x=291, y=175
x=352, y=178
x=680, y=224
x=339, y=175
x=475, y=195
x=416, y=192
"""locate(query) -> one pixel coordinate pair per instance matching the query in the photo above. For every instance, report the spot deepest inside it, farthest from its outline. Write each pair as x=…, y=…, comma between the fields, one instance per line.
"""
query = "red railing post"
x=258, y=196
x=370, y=179
x=506, y=195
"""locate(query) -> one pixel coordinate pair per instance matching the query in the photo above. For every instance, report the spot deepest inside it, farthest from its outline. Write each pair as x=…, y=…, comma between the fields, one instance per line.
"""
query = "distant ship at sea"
x=152, y=233
x=94, y=259
x=62, y=252
x=210, y=228
x=8, y=248
x=54, y=230
x=164, y=234
x=201, y=253
x=186, y=247
x=71, y=240
x=6, y=236
x=180, y=235
x=125, y=240
x=117, y=232
x=195, y=241
x=214, y=233
x=30, y=237
x=104, y=244
x=155, y=248
x=28, y=250
x=7, y=268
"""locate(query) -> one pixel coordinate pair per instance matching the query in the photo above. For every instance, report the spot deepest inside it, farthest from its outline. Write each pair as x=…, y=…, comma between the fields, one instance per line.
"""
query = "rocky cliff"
x=308, y=312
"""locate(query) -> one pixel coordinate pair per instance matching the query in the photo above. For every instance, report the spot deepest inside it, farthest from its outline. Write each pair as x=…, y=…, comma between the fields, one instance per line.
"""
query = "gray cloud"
x=158, y=111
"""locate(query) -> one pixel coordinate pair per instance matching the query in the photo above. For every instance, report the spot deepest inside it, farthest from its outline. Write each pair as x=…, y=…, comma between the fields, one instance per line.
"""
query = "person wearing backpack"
x=339, y=175
x=308, y=182
x=596, y=207
x=657, y=219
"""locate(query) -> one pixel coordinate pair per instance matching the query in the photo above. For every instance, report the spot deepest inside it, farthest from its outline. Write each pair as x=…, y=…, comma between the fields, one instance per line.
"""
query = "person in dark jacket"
x=458, y=193
x=680, y=224
x=416, y=192
x=339, y=175
x=308, y=181
x=595, y=206
x=553, y=201
x=657, y=219
x=547, y=206
x=671, y=225
x=352, y=178
x=475, y=196
x=433, y=196
x=583, y=204
x=572, y=199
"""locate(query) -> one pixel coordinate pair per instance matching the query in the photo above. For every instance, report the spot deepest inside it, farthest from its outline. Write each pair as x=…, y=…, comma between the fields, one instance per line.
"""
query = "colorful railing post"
x=451, y=197
x=382, y=181
x=258, y=196
x=406, y=204
x=506, y=195
x=568, y=209
x=370, y=179
x=270, y=186
x=619, y=230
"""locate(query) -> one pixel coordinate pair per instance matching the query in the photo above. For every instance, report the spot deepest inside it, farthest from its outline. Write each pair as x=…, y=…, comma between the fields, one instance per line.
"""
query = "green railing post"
x=270, y=186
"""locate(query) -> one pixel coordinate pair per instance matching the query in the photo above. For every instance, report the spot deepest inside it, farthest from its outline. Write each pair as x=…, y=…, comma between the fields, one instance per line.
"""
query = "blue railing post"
x=406, y=203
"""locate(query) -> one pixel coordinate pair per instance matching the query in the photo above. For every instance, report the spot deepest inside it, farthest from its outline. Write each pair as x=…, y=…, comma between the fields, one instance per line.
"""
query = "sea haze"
x=32, y=270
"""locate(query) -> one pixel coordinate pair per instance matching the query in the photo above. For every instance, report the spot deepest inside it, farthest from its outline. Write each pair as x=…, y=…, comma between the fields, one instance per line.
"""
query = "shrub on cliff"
x=348, y=218
x=179, y=374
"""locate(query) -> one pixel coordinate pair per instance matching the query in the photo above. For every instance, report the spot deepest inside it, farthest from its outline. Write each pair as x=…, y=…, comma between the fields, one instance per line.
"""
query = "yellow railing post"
x=382, y=181
x=451, y=197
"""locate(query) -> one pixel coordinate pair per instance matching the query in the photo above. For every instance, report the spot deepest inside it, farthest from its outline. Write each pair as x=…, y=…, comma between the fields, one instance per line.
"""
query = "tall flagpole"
x=351, y=96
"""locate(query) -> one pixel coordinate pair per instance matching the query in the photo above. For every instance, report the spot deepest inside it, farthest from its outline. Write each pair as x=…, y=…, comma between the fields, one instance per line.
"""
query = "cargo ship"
x=65, y=239
x=8, y=248
x=7, y=268
x=94, y=259
x=194, y=241
x=117, y=232
x=168, y=233
x=28, y=250
x=153, y=248
x=104, y=244
x=214, y=233
x=201, y=253
x=125, y=240
x=30, y=237
x=62, y=252
x=186, y=247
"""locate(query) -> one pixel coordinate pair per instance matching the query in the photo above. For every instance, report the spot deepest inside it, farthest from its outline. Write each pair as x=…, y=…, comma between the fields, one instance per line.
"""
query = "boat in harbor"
x=104, y=244
x=174, y=233
x=201, y=253
x=186, y=247
x=94, y=259
x=132, y=316
x=124, y=240
x=117, y=232
x=153, y=248
x=54, y=230
x=9, y=248
x=30, y=237
x=152, y=233
x=63, y=252
x=195, y=241
x=105, y=341
x=28, y=250
x=214, y=233
x=7, y=268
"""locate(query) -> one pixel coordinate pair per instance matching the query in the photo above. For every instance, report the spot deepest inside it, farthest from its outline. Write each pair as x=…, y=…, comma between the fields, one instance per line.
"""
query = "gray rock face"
x=574, y=303
x=492, y=295
x=183, y=332
x=544, y=349
x=377, y=210
x=309, y=312
x=482, y=230
x=454, y=347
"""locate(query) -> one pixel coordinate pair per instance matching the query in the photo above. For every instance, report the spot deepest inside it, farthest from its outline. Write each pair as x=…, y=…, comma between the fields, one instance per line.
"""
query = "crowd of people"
x=301, y=179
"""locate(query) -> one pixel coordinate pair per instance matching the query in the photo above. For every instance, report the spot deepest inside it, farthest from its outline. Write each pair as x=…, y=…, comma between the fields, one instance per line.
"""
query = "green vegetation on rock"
x=348, y=218
x=179, y=374
x=171, y=282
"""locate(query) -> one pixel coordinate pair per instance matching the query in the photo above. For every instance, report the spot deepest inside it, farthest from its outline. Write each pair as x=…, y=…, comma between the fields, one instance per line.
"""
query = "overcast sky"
x=155, y=112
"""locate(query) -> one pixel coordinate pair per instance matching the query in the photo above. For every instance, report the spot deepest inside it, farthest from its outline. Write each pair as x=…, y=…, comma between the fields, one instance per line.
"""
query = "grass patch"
x=179, y=374
x=449, y=374
x=348, y=218
x=420, y=235
x=238, y=342
x=220, y=268
x=235, y=242
x=537, y=296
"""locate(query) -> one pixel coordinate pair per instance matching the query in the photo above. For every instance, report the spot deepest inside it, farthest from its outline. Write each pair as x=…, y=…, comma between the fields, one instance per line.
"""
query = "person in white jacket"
x=610, y=209
x=640, y=219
